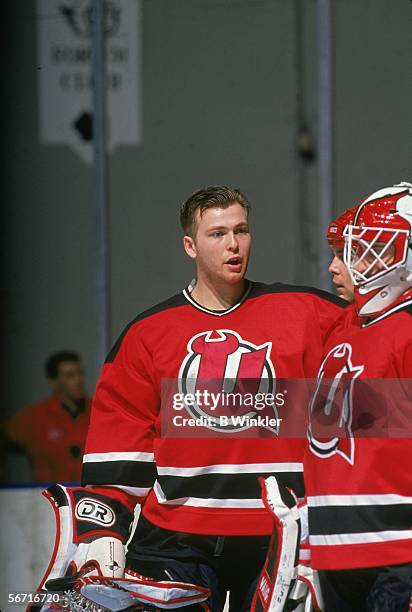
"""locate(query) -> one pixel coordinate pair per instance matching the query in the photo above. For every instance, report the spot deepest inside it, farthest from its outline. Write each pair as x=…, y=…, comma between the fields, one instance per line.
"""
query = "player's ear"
x=189, y=246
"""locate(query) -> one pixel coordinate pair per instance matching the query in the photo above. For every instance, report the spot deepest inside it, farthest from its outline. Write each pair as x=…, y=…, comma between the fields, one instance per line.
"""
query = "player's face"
x=370, y=258
x=340, y=275
x=221, y=245
x=70, y=380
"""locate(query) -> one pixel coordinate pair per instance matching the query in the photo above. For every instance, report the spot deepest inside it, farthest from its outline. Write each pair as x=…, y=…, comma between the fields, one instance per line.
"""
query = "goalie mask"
x=335, y=231
x=378, y=249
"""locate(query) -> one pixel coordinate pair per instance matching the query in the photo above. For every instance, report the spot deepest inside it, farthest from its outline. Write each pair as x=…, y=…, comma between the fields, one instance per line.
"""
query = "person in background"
x=52, y=432
x=340, y=275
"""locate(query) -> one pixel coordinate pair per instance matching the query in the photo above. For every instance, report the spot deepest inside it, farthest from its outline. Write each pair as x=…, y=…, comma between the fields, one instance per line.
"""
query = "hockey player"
x=202, y=518
x=337, y=268
x=357, y=471
x=286, y=574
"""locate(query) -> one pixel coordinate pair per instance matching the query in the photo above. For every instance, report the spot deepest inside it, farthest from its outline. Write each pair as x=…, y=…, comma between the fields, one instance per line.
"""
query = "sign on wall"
x=65, y=73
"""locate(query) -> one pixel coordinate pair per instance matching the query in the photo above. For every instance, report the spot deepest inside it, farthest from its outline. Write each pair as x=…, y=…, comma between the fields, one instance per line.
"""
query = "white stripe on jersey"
x=199, y=502
x=320, y=501
x=117, y=456
x=230, y=468
x=359, y=538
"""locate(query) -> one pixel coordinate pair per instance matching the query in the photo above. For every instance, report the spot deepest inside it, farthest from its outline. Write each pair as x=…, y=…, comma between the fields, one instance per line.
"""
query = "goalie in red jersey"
x=357, y=470
x=202, y=518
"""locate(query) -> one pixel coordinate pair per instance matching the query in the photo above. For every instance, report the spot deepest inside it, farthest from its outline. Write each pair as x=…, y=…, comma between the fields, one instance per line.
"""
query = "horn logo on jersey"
x=330, y=410
x=222, y=363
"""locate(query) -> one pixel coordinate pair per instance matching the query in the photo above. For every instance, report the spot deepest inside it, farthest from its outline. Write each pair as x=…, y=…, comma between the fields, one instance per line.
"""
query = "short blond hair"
x=213, y=196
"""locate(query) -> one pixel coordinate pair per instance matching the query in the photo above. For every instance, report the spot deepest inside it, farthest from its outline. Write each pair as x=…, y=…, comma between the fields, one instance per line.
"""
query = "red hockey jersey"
x=358, y=478
x=52, y=438
x=209, y=485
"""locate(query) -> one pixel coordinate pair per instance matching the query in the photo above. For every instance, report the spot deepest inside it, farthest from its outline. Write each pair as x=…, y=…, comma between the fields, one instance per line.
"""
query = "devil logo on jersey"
x=330, y=418
x=221, y=362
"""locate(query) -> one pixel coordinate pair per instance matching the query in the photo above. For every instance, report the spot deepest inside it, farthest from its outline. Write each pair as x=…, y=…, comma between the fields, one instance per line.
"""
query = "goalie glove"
x=287, y=582
x=91, y=531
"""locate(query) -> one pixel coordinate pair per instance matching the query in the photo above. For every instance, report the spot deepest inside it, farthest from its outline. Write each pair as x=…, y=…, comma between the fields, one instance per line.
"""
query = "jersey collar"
x=217, y=313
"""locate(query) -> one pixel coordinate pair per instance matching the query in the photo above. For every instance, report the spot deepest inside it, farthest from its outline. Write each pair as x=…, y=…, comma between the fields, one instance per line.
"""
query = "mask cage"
x=368, y=246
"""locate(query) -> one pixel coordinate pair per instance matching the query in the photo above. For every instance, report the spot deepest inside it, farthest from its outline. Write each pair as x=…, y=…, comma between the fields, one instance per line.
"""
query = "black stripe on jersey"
x=225, y=486
x=359, y=519
x=140, y=474
x=173, y=302
x=264, y=289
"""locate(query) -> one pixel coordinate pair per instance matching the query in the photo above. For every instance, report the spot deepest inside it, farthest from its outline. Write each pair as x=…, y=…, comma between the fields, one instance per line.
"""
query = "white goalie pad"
x=101, y=594
x=306, y=590
x=102, y=556
x=89, y=532
x=287, y=582
x=87, y=568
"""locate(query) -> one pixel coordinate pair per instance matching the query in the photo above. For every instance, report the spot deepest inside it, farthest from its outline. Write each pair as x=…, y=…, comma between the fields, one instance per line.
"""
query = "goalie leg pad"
x=279, y=570
x=91, y=529
x=287, y=582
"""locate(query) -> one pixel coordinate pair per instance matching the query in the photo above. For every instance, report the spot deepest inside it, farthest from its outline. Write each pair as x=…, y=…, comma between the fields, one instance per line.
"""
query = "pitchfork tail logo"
x=331, y=412
x=222, y=362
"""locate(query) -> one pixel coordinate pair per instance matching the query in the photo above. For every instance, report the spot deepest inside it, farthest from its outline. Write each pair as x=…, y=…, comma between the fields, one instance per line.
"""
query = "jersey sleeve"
x=124, y=420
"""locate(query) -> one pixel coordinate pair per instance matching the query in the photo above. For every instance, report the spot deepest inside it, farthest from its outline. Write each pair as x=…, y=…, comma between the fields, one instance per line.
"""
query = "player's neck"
x=218, y=297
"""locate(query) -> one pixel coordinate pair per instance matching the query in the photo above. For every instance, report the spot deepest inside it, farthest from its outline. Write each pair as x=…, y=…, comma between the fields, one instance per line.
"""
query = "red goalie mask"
x=378, y=248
